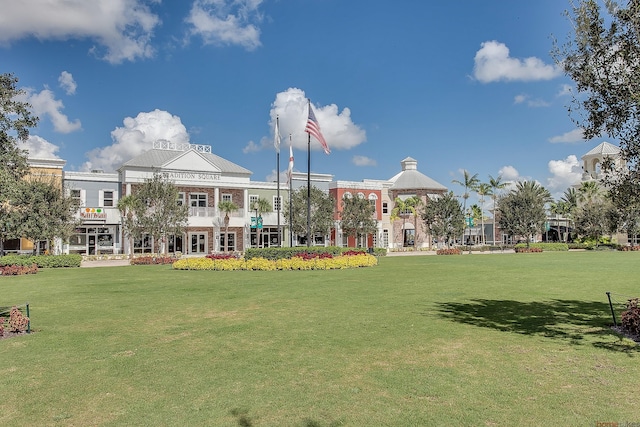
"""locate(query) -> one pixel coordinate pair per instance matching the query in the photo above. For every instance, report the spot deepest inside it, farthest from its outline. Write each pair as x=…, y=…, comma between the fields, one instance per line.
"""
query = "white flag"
x=276, y=137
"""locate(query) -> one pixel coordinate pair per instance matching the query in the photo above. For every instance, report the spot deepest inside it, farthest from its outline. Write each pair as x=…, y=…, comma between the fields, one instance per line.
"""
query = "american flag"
x=313, y=128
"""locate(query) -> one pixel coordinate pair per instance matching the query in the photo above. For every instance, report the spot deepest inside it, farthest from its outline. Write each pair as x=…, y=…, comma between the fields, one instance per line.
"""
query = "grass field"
x=473, y=340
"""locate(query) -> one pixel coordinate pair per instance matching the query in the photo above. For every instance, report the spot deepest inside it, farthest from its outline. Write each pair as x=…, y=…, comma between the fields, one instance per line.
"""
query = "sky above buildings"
x=454, y=85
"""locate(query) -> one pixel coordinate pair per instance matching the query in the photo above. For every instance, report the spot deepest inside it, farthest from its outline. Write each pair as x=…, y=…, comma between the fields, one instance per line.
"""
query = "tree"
x=469, y=182
x=322, y=205
x=261, y=206
x=158, y=212
x=226, y=207
x=402, y=208
x=496, y=184
x=522, y=210
x=595, y=219
x=131, y=228
x=48, y=213
x=443, y=218
x=603, y=59
x=15, y=121
x=483, y=189
x=589, y=191
x=357, y=217
x=625, y=201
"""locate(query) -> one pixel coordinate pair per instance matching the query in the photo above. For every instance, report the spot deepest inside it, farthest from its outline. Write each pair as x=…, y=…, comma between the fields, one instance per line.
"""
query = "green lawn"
x=480, y=340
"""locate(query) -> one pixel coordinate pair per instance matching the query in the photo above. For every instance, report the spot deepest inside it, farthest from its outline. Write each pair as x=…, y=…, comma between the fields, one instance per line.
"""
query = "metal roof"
x=158, y=158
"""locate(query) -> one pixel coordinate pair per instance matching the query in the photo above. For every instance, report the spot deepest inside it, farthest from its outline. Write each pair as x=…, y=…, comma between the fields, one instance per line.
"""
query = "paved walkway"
x=105, y=263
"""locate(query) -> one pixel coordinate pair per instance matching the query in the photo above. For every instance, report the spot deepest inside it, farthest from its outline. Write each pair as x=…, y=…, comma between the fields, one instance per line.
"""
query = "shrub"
x=42, y=261
x=294, y=263
x=631, y=317
x=451, y=251
x=17, y=321
x=525, y=250
x=155, y=260
x=222, y=256
x=546, y=247
x=629, y=248
x=18, y=270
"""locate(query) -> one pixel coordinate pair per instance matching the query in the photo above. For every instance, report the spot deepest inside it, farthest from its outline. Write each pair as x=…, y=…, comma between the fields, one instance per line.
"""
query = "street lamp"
x=255, y=207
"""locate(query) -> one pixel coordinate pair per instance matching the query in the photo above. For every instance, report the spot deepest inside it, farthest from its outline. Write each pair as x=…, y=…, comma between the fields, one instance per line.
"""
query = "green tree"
x=496, y=185
x=522, y=210
x=357, y=217
x=402, y=209
x=48, y=213
x=322, y=207
x=624, y=200
x=15, y=121
x=483, y=189
x=603, y=59
x=260, y=206
x=443, y=218
x=226, y=207
x=131, y=228
x=158, y=212
x=469, y=182
x=595, y=219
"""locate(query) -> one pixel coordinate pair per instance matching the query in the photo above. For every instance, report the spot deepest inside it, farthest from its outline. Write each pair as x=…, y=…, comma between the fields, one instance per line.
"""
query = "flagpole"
x=277, y=141
x=290, y=195
x=308, y=184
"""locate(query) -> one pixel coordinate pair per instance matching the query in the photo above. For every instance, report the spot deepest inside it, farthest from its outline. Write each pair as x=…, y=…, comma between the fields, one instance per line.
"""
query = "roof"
x=411, y=178
x=603, y=149
x=158, y=158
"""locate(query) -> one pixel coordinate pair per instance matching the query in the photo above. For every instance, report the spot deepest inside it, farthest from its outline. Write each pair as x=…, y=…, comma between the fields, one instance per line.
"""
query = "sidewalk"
x=105, y=263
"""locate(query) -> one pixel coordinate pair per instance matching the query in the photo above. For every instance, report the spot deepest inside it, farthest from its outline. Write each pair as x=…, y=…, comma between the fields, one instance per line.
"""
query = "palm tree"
x=589, y=191
x=483, y=189
x=469, y=182
x=400, y=210
x=570, y=201
x=226, y=207
x=496, y=184
x=415, y=202
x=261, y=206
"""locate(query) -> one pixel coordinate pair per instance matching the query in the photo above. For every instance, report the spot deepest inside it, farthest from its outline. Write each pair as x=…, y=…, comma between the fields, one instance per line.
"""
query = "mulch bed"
x=12, y=334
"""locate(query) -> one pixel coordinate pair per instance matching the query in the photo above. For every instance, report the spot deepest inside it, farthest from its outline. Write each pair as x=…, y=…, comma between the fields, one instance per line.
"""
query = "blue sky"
x=454, y=85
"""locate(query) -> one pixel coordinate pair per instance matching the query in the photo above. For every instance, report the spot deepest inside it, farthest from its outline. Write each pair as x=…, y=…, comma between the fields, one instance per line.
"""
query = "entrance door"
x=198, y=243
x=92, y=244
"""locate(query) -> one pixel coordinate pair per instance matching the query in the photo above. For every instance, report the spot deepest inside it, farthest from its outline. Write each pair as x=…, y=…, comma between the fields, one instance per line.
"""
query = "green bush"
x=42, y=261
x=546, y=247
x=274, y=254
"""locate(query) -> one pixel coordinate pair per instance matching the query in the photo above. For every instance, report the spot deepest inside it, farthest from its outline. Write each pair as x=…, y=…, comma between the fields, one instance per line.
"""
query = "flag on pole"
x=313, y=128
x=290, y=169
x=276, y=136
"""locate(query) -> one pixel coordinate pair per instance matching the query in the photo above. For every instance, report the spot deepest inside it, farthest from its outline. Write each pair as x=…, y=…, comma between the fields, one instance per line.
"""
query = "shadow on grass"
x=568, y=320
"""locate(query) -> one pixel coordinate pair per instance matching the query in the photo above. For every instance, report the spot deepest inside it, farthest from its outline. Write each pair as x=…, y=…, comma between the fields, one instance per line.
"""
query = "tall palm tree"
x=415, y=202
x=483, y=189
x=589, y=191
x=570, y=200
x=226, y=207
x=261, y=206
x=469, y=182
x=496, y=184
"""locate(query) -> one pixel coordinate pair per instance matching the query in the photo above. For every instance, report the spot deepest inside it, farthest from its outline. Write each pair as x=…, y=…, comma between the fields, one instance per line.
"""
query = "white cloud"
x=122, y=28
x=67, y=83
x=493, y=63
x=39, y=148
x=137, y=135
x=564, y=173
x=226, y=22
x=363, y=161
x=565, y=90
x=44, y=103
x=571, y=137
x=291, y=107
x=251, y=147
x=534, y=103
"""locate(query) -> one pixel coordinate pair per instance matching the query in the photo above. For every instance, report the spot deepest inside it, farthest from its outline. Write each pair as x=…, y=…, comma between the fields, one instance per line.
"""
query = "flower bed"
x=294, y=263
x=525, y=250
x=18, y=270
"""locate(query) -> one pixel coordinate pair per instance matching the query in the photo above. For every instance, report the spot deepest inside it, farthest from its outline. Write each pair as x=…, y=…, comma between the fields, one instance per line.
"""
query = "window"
x=107, y=198
x=198, y=200
x=361, y=195
x=277, y=203
x=385, y=207
x=181, y=199
x=78, y=196
x=252, y=200
x=347, y=195
x=372, y=201
x=226, y=198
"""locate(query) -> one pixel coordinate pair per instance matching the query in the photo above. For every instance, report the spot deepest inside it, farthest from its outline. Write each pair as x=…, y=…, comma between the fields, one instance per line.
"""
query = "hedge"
x=42, y=261
x=294, y=263
x=287, y=253
x=546, y=247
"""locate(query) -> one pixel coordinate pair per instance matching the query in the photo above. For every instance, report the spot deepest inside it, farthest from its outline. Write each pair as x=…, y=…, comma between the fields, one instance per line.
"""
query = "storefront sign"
x=192, y=176
x=93, y=213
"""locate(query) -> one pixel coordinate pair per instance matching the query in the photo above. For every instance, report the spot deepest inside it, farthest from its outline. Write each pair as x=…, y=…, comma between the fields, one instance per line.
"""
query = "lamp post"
x=255, y=207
